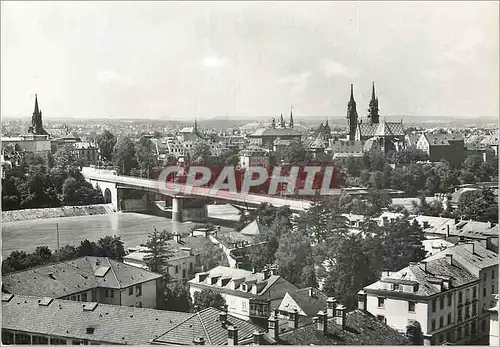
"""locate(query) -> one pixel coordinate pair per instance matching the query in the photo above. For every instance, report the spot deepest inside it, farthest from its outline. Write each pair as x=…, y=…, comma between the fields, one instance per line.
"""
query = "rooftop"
x=111, y=324
x=72, y=276
x=361, y=329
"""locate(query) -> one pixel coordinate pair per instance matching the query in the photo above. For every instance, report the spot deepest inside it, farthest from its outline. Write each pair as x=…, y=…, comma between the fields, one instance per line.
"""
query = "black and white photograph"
x=249, y=172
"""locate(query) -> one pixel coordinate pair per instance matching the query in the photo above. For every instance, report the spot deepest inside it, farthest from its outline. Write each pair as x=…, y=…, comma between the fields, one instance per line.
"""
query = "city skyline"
x=248, y=60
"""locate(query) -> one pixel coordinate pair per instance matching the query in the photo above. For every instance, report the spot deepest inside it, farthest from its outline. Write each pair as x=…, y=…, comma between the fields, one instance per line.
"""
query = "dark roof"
x=73, y=276
x=361, y=329
x=206, y=324
x=390, y=129
x=309, y=304
x=443, y=139
x=65, y=318
x=429, y=275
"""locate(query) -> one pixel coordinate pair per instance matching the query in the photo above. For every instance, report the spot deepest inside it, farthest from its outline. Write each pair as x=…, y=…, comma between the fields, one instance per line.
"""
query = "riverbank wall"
x=57, y=212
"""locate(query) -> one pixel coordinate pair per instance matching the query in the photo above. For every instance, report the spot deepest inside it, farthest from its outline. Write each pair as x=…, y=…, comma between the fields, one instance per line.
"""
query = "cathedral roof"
x=390, y=129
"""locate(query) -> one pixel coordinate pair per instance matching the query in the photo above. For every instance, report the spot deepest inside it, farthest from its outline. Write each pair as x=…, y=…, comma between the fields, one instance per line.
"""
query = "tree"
x=403, y=244
x=177, y=298
x=296, y=153
x=112, y=247
x=294, y=253
x=65, y=165
x=124, y=155
x=212, y=255
x=478, y=205
x=414, y=334
x=10, y=193
x=158, y=252
x=201, y=151
x=106, y=142
x=37, y=191
x=41, y=256
x=77, y=193
x=208, y=298
x=146, y=156
x=67, y=252
x=16, y=261
x=88, y=248
x=409, y=155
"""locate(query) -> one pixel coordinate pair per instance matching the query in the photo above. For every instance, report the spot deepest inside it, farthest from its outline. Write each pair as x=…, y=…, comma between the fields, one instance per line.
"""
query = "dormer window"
x=396, y=286
x=244, y=287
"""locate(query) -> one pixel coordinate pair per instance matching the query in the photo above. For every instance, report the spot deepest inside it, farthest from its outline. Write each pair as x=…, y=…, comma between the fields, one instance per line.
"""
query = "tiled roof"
x=367, y=129
x=428, y=275
x=228, y=237
x=443, y=139
x=342, y=146
x=390, y=129
x=271, y=288
x=206, y=324
x=309, y=304
x=73, y=276
x=361, y=329
x=64, y=318
x=472, y=255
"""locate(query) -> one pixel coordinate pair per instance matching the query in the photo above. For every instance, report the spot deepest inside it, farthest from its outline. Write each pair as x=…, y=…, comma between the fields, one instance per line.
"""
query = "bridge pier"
x=176, y=209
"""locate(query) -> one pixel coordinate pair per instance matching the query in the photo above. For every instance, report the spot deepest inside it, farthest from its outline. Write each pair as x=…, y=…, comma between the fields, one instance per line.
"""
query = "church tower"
x=291, y=117
x=352, y=116
x=36, y=120
x=373, y=107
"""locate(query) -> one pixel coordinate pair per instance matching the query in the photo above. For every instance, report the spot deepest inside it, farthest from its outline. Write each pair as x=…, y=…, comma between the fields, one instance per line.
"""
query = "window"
x=7, y=337
x=73, y=297
x=131, y=291
x=40, y=340
x=78, y=297
x=176, y=269
x=433, y=325
x=484, y=292
x=183, y=273
x=23, y=339
x=466, y=329
x=474, y=292
x=483, y=325
x=449, y=299
x=395, y=286
x=411, y=306
x=139, y=304
x=190, y=267
x=84, y=297
x=474, y=310
x=459, y=332
x=75, y=342
x=381, y=302
x=473, y=328
x=57, y=341
x=381, y=318
x=493, y=274
x=449, y=318
x=492, y=289
x=441, y=321
x=434, y=305
x=440, y=338
x=111, y=293
x=484, y=277
x=441, y=302
x=138, y=290
x=460, y=297
x=449, y=336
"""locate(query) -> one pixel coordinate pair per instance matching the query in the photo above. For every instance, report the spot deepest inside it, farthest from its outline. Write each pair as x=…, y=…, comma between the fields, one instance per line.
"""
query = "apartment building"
x=440, y=294
x=185, y=259
x=483, y=264
x=248, y=295
x=87, y=279
x=494, y=326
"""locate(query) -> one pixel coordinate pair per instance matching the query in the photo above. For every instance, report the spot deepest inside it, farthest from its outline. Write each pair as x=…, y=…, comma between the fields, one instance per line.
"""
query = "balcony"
x=258, y=313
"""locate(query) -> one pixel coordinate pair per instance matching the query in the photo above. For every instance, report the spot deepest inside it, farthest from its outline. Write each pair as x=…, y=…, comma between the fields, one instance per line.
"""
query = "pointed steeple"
x=36, y=120
x=37, y=110
x=352, y=116
x=282, y=121
x=373, y=107
x=195, y=125
x=291, y=117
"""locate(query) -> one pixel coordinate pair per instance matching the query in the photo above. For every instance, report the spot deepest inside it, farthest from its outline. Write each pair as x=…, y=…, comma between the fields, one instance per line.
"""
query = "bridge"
x=112, y=185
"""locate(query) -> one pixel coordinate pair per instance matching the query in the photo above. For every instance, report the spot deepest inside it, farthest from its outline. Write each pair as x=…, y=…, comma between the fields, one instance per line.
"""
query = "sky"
x=181, y=60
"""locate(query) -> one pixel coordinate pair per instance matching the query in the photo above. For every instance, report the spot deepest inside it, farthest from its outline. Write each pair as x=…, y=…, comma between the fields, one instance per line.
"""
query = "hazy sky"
x=181, y=60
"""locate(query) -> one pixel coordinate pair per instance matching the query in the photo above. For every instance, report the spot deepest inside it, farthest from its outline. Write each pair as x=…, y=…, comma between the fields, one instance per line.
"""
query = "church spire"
x=282, y=121
x=352, y=116
x=36, y=119
x=291, y=117
x=37, y=110
x=373, y=107
x=195, y=125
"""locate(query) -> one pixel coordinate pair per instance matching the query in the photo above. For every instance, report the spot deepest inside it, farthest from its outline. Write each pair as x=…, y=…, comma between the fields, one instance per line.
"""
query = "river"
x=133, y=228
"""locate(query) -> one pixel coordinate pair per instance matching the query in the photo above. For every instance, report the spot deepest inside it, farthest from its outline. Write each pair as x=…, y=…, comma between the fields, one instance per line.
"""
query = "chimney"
x=311, y=292
x=223, y=308
x=177, y=237
x=424, y=266
x=331, y=304
x=322, y=322
x=258, y=337
x=232, y=335
x=448, y=231
x=90, y=330
x=362, y=300
x=97, y=262
x=253, y=270
x=293, y=319
x=199, y=341
x=266, y=273
x=223, y=317
x=340, y=316
x=272, y=327
x=449, y=259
